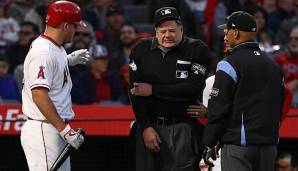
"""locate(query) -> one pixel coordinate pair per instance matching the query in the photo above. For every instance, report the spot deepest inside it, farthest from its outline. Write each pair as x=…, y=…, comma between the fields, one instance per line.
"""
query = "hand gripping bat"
x=64, y=154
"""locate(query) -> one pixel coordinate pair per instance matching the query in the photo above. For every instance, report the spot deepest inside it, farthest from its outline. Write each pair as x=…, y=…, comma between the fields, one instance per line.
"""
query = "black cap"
x=165, y=13
x=114, y=8
x=240, y=20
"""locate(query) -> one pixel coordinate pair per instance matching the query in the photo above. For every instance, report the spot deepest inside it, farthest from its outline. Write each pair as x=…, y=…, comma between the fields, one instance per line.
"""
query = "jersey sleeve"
x=220, y=103
x=207, y=90
x=138, y=102
x=41, y=71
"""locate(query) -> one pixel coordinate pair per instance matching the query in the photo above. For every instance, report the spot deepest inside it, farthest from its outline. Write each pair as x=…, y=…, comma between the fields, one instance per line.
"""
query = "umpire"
x=167, y=73
x=246, y=102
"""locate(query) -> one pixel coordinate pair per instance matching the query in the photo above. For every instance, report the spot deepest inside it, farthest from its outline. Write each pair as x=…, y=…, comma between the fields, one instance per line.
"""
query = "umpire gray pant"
x=250, y=158
x=180, y=149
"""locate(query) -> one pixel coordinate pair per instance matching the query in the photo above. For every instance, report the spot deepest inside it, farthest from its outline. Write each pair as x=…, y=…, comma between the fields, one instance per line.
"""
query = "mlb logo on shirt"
x=166, y=11
x=257, y=53
x=181, y=74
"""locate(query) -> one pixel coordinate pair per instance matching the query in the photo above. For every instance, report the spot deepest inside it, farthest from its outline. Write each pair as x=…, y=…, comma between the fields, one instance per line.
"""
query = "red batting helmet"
x=64, y=11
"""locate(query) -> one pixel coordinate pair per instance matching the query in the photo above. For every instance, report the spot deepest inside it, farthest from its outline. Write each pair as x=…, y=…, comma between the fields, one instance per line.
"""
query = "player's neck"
x=54, y=34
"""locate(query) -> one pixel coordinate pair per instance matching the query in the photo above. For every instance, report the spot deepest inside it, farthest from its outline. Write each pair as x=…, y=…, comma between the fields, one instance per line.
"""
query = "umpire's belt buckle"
x=161, y=120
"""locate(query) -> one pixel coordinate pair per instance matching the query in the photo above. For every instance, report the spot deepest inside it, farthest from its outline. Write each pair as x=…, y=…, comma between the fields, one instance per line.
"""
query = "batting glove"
x=207, y=154
x=81, y=56
x=72, y=137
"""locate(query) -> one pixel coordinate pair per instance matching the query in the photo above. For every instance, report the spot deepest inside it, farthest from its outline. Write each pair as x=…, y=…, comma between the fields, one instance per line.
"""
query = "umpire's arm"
x=220, y=104
x=195, y=82
x=137, y=102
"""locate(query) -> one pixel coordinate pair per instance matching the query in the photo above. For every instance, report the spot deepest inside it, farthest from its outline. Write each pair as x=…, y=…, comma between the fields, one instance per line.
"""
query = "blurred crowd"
x=114, y=26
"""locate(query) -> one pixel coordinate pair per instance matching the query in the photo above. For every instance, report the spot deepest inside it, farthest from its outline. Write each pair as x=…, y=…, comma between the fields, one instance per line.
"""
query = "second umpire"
x=167, y=74
x=246, y=101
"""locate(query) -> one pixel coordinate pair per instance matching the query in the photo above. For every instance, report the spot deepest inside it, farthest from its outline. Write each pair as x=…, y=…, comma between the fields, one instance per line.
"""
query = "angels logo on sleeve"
x=197, y=68
x=133, y=66
x=41, y=72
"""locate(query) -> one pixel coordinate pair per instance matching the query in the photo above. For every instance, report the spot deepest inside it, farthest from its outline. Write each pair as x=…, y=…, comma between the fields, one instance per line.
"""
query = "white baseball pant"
x=42, y=144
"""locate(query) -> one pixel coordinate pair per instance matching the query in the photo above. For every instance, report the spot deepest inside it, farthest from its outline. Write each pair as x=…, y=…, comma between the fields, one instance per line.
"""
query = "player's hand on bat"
x=196, y=110
x=151, y=139
x=72, y=137
x=81, y=56
x=141, y=89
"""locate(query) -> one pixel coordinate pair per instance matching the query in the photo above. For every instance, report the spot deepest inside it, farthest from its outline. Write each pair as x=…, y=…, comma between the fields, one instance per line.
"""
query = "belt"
x=46, y=121
x=169, y=120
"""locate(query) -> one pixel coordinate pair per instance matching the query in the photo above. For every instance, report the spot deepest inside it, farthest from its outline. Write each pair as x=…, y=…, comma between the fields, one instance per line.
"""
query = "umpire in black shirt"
x=167, y=73
x=246, y=102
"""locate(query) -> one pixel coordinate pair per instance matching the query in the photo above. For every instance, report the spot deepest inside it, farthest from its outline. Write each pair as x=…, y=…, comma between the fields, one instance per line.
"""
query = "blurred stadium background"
x=99, y=88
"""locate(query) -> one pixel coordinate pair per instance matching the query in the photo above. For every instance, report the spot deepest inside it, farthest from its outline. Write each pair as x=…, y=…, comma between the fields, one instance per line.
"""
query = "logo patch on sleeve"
x=133, y=66
x=41, y=72
x=197, y=68
x=214, y=92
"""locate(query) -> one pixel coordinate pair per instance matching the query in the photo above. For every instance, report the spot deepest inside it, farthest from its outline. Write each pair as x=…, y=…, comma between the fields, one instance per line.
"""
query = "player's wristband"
x=65, y=130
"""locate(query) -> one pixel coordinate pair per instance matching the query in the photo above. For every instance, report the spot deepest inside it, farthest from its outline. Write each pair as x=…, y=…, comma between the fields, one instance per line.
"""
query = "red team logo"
x=41, y=72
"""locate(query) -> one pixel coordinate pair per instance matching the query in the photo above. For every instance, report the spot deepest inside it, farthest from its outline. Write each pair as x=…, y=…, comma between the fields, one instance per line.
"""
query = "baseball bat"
x=64, y=154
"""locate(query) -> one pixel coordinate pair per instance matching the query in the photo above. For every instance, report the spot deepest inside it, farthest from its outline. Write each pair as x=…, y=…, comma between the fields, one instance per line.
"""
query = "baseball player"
x=46, y=91
x=206, y=96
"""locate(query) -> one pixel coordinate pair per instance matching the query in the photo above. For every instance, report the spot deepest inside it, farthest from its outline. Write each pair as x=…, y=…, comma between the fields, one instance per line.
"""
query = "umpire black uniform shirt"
x=246, y=99
x=177, y=78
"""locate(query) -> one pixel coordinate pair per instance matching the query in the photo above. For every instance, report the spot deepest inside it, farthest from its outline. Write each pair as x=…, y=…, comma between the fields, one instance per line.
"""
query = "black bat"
x=64, y=154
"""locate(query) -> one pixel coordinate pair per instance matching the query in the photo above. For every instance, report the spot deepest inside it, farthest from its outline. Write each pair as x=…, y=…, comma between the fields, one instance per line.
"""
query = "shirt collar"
x=50, y=39
x=250, y=43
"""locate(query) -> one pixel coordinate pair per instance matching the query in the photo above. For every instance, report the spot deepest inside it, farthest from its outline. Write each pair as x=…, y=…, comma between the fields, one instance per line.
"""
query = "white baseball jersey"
x=206, y=96
x=207, y=90
x=46, y=66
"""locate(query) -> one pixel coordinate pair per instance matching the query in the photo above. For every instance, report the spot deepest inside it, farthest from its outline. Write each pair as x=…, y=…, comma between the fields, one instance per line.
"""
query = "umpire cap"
x=165, y=13
x=240, y=20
